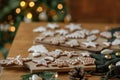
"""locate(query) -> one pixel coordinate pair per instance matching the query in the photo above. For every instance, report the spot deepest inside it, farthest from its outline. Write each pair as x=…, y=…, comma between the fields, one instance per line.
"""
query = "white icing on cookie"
x=90, y=44
x=106, y=34
x=57, y=40
x=48, y=33
x=91, y=38
x=117, y=34
x=94, y=31
x=35, y=54
x=38, y=49
x=73, y=27
x=52, y=25
x=77, y=34
x=39, y=29
x=62, y=32
x=49, y=58
x=41, y=62
x=69, y=53
x=55, y=53
x=116, y=42
x=106, y=43
x=85, y=54
x=72, y=43
x=106, y=51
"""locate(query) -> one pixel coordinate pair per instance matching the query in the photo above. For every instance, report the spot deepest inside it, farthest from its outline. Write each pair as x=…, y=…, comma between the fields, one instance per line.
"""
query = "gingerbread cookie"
x=57, y=40
x=90, y=44
x=41, y=62
x=60, y=63
x=48, y=33
x=91, y=38
x=39, y=29
x=116, y=42
x=72, y=27
x=52, y=25
x=76, y=35
x=69, y=53
x=106, y=34
x=62, y=32
x=87, y=60
x=38, y=49
x=117, y=34
x=72, y=43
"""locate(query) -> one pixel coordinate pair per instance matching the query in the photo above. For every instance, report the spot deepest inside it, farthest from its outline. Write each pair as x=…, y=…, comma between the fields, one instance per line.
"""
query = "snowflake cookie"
x=75, y=35
x=91, y=38
x=73, y=27
x=117, y=34
x=48, y=33
x=90, y=44
x=69, y=53
x=87, y=60
x=60, y=63
x=116, y=42
x=57, y=40
x=85, y=54
x=62, y=32
x=106, y=34
x=52, y=25
x=38, y=49
x=72, y=43
x=39, y=29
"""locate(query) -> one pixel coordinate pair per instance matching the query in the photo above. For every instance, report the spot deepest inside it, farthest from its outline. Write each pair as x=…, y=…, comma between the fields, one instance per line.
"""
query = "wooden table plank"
x=24, y=40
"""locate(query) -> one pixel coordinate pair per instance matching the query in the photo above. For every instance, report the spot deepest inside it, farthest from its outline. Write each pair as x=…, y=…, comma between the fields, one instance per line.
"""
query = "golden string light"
x=31, y=4
x=39, y=9
x=18, y=10
x=22, y=3
x=60, y=6
x=29, y=15
x=12, y=28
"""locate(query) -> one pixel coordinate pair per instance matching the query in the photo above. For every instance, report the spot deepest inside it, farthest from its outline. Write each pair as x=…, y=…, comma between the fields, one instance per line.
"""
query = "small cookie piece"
x=41, y=62
x=85, y=54
x=39, y=29
x=106, y=34
x=117, y=34
x=52, y=25
x=87, y=60
x=116, y=42
x=60, y=63
x=107, y=44
x=72, y=43
x=48, y=33
x=72, y=27
x=38, y=49
x=69, y=53
x=91, y=38
x=57, y=40
x=62, y=32
x=76, y=35
x=90, y=44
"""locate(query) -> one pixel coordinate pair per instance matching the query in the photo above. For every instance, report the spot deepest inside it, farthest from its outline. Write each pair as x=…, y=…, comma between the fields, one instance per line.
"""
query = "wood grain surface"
x=24, y=40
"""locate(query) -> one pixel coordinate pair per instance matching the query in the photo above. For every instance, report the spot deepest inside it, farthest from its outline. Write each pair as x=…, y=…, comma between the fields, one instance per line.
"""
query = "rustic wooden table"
x=24, y=40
